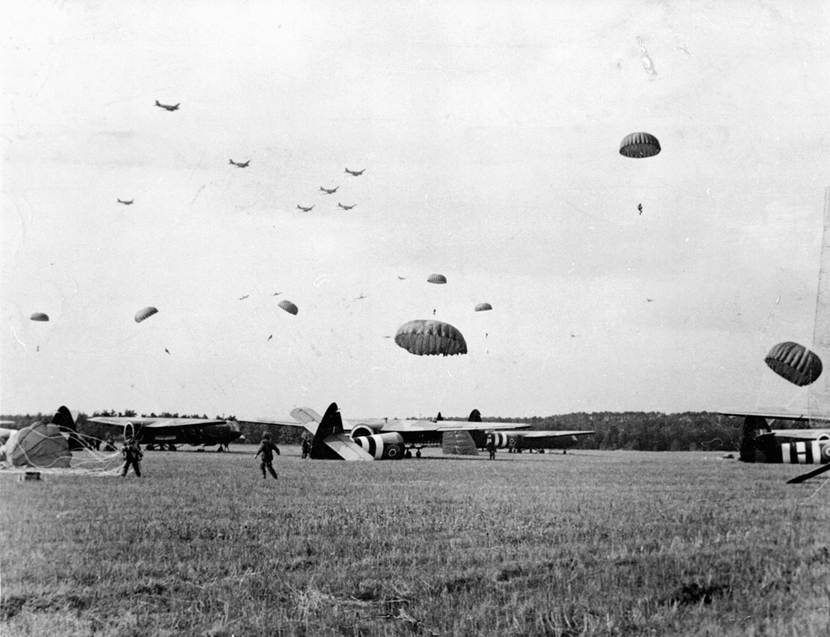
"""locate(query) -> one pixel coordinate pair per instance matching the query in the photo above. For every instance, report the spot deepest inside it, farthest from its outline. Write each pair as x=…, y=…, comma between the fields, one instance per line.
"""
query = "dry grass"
x=592, y=543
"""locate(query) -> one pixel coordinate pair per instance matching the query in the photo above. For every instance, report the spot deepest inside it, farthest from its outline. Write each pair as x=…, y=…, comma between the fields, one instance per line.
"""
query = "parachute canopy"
x=794, y=362
x=288, y=306
x=430, y=338
x=483, y=307
x=38, y=445
x=437, y=278
x=39, y=316
x=639, y=145
x=144, y=313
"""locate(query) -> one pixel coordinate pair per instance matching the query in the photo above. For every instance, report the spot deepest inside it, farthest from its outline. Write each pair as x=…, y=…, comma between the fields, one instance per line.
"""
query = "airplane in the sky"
x=125, y=202
x=329, y=191
x=239, y=164
x=392, y=439
x=166, y=433
x=168, y=107
x=346, y=207
x=356, y=173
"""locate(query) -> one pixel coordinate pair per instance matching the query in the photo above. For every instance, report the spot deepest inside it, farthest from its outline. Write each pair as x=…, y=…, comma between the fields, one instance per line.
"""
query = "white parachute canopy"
x=39, y=445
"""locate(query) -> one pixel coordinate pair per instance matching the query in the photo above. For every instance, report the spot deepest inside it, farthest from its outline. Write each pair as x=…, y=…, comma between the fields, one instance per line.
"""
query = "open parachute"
x=438, y=279
x=483, y=307
x=430, y=338
x=639, y=145
x=39, y=316
x=145, y=313
x=288, y=306
x=38, y=445
x=794, y=362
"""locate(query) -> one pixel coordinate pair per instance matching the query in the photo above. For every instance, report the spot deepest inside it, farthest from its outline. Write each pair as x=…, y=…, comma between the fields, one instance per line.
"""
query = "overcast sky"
x=489, y=132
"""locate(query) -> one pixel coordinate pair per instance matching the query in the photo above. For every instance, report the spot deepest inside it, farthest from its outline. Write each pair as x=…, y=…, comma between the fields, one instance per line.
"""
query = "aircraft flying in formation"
x=166, y=433
x=346, y=207
x=329, y=191
x=239, y=164
x=356, y=173
x=304, y=209
x=392, y=439
x=168, y=107
x=125, y=202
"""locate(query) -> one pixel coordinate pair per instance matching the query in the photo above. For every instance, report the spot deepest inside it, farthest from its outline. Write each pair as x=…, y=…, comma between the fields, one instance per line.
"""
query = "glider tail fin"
x=66, y=422
x=458, y=442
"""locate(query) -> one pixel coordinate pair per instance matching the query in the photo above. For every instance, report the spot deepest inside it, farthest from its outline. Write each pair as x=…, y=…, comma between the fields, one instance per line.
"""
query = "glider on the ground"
x=761, y=443
x=392, y=439
x=166, y=433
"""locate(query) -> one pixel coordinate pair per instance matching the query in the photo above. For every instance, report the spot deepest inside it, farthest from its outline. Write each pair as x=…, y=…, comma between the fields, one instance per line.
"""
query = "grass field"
x=592, y=543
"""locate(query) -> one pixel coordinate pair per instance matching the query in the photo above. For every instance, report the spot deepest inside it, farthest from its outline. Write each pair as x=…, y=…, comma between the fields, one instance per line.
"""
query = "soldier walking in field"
x=267, y=449
x=132, y=457
x=491, y=446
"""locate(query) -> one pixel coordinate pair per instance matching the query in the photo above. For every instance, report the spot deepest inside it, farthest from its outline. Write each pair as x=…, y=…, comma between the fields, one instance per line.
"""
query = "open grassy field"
x=592, y=543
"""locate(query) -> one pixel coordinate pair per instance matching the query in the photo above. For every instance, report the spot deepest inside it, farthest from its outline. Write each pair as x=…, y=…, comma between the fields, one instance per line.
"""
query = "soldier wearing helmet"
x=267, y=449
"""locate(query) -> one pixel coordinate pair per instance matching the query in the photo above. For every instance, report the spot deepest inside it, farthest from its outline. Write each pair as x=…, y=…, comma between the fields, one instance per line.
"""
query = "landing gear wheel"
x=418, y=453
x=407, y=454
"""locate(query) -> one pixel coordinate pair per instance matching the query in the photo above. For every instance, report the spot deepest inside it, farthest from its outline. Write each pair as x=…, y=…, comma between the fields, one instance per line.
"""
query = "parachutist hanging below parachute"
x=640, y=208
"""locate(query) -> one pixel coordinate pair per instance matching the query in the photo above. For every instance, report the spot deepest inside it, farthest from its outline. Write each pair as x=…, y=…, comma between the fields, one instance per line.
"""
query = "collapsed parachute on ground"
x=437, y=278
x=483, y=307
x=144, y=313
x=39, y=316
x=430, y=338
x=794, y=363
x=288, y=306
x=38, y=445
x=639, y=145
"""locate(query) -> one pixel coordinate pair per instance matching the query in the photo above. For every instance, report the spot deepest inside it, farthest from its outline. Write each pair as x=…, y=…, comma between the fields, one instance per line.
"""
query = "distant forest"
x=634, y=430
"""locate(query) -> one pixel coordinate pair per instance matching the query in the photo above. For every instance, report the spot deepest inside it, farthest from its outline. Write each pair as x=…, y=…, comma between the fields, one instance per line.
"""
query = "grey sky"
x=489, y=134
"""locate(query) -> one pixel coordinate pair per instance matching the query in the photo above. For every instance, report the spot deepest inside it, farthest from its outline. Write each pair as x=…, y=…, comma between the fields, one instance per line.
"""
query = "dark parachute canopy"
x=39, y=316
x=430, y=338
x=639, y=145
x=144, y=313
x=483, y=307
x=794, y=362
x=437, y=278
x=288, y=306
